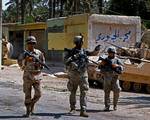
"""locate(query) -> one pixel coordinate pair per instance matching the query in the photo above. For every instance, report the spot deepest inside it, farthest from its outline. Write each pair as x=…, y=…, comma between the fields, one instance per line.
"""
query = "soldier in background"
x=32, y=74
x=76, y=63
x=7, y=48
x=110, y=67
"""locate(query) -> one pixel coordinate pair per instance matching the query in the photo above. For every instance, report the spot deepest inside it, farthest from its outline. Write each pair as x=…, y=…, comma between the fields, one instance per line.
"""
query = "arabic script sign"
x=118, y=34
x=114, y=36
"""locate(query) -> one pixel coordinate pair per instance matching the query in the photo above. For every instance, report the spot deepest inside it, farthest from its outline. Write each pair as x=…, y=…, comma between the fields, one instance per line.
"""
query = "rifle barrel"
x=93, y=62
x=132, y=58
x=114, y=45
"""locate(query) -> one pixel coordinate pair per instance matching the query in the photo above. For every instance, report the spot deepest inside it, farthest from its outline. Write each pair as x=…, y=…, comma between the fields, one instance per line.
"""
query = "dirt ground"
x=54, y=103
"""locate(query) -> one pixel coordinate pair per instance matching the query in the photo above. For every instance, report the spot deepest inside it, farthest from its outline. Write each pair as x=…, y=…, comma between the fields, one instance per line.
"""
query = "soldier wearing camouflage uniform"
x=110, y=76
x=76, y=63
x=32, y=74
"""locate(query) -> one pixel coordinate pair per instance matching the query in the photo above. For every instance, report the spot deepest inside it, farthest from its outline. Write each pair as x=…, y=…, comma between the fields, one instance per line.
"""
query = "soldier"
x=76, y=62
x=111, y=67
x=32, y=74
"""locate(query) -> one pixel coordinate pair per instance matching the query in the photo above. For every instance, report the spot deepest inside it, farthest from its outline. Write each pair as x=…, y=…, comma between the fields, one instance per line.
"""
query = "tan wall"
x=74, y=25
x=59, y=41
x=56, y=41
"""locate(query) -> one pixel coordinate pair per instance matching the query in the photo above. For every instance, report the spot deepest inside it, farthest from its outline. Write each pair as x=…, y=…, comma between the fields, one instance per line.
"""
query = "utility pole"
x=0, y=34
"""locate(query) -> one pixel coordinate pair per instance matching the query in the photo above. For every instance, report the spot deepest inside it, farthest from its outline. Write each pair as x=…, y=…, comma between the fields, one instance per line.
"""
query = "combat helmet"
x=111, y=50
x=31, y=39
x=78, y=39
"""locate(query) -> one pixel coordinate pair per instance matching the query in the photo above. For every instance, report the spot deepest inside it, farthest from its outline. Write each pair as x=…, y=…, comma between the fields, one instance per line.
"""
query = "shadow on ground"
x=55, y=115
x=138, y=101
x=10, y=117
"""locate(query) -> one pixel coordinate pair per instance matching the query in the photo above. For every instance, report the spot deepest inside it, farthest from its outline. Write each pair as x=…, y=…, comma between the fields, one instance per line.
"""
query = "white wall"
x=123, y=31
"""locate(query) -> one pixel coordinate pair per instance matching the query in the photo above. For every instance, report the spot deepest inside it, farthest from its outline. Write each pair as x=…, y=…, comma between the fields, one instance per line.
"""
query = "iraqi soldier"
x=111, y=67
x=32, y=74
x=76, y=63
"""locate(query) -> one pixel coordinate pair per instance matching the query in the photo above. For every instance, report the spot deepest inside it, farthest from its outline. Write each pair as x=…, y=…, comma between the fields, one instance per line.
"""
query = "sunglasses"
x=31, y=43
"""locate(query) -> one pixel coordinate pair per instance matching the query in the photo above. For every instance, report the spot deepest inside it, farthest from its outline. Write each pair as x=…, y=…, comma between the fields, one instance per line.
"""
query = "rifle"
x=39, y=61
x=78, y=55
x=117, y=69
x=77, y=59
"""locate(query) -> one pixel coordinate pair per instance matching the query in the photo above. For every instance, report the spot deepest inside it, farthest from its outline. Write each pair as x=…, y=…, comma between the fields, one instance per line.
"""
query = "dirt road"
x=54, y=102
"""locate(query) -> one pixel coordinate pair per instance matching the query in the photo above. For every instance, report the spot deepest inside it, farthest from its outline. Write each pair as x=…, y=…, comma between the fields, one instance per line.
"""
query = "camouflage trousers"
x=31, y=81
x=111, y=82
x=78, y=79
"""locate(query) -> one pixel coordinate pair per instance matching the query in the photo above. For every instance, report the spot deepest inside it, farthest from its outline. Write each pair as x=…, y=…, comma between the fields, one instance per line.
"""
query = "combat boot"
x=106, y=109
x=84, y=114
x=28, y=109
x=115, y=107
x=72, y=111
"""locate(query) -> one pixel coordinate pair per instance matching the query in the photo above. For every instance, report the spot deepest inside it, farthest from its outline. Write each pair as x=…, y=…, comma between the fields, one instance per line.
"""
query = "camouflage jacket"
x=76, y=60
x=28, y=63
x=108, y=67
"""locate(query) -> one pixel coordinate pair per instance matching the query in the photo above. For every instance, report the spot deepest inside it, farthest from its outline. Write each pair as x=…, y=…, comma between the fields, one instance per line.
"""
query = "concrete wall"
x=18, y=34
x=123, y=31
